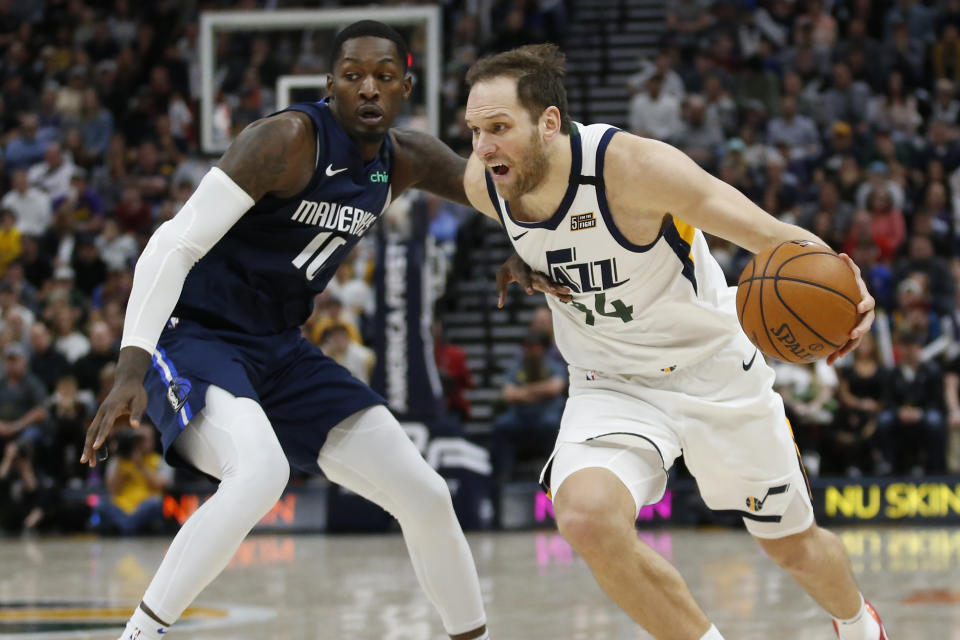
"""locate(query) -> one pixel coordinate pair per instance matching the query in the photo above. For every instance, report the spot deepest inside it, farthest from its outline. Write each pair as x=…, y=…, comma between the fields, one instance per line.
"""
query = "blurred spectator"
x=89, y=270
x=335, y=342
x=945, y=54
x=136, y=476
x=911, y=428
x=810, y=400
x=327, y=311
x=70, y=413
x=846, y=100
x=951, y=396
x=28, y=146
x=699, y=138
x=850, y=446
x=88, y=207
x=117, y=250
x=36, y=265
x=455, y=374
x=756, y=84
x=655, y=114
x=881, y=223
x=721, y=109
x=921, y=258
x=22, y=398
x=534, y=393
x=903, y=55
x=88, y=367
x=53, y=174
x=46, y=363
x=96, y=124
x=10, y=245
x=797, y=131
x=30, y=204
x=662, y=64
x=133, y=213
x=896, y=109
x=688, y=19
x=69, y=341
x=946, y=108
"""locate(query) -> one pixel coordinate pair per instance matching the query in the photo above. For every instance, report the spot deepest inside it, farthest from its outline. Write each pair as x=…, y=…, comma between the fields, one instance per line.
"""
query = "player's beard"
x=530, y=169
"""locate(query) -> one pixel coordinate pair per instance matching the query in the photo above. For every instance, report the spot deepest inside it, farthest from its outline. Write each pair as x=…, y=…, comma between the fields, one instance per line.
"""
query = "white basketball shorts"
x=721, y=414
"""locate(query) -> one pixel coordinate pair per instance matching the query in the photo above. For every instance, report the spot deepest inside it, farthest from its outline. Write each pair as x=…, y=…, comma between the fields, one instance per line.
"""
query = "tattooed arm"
x=273, y=156
x=423, y=162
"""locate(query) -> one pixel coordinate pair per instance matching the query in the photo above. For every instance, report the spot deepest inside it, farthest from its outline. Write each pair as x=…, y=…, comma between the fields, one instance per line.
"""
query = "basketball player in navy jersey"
x=659, y=365
x=212, y=351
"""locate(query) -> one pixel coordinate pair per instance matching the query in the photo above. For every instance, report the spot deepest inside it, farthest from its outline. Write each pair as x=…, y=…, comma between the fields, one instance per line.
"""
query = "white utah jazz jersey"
x=636, y=309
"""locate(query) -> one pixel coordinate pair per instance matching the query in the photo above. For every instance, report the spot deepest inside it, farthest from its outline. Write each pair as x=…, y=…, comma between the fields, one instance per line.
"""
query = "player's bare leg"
x=818, y=561
x=596, y=515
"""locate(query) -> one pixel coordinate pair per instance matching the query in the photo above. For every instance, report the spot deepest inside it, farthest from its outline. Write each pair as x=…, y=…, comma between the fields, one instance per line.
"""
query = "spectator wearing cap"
x=30, y=204
x=878, y=178
x=911, y=428
x=46, y=363
x=87, y=204
x=22, y=398
x=28, y=146
x=53, y=174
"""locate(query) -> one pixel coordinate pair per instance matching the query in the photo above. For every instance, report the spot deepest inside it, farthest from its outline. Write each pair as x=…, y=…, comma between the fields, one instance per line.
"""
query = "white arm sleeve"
x=176, y=245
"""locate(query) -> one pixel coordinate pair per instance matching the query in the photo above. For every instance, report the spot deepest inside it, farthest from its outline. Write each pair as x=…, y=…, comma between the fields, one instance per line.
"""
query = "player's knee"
x=429, y=504
x=268, y=471
x=587, y=525
x=798, y=553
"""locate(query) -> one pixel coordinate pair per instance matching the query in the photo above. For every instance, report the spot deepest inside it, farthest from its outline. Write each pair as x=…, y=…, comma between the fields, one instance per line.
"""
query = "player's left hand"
x=865, y=309
x=516, y=270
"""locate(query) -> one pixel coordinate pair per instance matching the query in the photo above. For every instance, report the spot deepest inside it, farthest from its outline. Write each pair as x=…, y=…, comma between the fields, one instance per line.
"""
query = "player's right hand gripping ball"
x=797, y=302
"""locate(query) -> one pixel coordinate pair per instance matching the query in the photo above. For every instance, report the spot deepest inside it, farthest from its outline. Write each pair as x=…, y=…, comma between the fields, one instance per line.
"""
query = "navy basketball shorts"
x=303, y=392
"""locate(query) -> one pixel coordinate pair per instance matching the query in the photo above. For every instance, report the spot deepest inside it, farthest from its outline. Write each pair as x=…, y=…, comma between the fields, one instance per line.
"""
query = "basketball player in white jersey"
x=658, y=362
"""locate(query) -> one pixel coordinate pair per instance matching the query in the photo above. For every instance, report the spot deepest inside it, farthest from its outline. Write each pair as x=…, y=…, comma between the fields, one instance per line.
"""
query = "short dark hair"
x=369, y=28
x=539, y=71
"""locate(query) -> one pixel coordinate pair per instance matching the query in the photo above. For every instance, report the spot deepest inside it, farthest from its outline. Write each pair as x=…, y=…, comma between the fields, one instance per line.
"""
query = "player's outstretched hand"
x=516, y=270
x=865, y=309
x=123, y=406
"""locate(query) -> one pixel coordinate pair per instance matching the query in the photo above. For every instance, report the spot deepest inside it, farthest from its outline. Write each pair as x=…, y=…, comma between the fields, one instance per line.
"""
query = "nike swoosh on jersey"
x=747, y=365
x=332, y=172
x=519, y=235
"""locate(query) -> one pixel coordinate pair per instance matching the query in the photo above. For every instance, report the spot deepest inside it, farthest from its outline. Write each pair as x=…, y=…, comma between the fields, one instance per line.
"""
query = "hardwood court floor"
x=315, y=587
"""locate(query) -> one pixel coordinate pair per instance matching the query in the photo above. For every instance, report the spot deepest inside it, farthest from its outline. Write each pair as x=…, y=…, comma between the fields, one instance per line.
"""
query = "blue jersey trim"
x=168, y=372
x=576, y=164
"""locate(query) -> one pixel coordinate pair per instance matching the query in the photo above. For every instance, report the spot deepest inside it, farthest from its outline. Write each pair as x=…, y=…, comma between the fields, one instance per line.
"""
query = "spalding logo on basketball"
x=797, y=302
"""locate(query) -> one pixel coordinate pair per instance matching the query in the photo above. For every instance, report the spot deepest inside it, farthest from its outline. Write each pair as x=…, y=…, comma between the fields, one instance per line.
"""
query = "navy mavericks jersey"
x=263, y=274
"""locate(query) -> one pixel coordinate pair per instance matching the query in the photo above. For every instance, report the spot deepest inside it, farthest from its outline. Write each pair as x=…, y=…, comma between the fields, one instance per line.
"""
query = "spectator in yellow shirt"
x=136, y=477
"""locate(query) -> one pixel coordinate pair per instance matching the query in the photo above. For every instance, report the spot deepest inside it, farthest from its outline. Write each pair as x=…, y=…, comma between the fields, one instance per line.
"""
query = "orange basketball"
x=797, y=302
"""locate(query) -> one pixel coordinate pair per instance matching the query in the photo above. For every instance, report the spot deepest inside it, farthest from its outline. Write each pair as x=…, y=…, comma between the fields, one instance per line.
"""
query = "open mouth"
x=370, y=114
x=499, y=169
